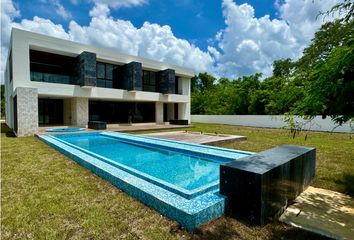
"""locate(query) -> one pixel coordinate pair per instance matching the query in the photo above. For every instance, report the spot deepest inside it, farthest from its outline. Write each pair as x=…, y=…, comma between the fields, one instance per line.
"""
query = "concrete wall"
x=273, y=121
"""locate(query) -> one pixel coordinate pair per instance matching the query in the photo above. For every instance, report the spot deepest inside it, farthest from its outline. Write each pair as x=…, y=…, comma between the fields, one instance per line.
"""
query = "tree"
x=347, y=7
x=325, y=73
x=282, y=67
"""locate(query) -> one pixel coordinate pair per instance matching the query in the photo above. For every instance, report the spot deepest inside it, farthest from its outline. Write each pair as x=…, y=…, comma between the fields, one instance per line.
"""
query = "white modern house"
x=56, y=82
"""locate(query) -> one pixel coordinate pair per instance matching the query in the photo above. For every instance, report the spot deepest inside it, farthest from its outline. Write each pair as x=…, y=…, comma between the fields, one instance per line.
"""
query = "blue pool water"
x=179, y=169
x=67, y=129
x=180, y=180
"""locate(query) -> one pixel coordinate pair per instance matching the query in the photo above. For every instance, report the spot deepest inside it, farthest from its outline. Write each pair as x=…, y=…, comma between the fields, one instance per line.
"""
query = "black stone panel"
x=166, y=81
x=86, y=69
x=132, y=76
x=259, y=187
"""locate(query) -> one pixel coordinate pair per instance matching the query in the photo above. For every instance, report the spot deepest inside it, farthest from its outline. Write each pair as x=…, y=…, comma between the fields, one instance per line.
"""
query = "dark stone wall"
x=86, y=69
x=259, y=187
x=166, y=81
x=131, y=75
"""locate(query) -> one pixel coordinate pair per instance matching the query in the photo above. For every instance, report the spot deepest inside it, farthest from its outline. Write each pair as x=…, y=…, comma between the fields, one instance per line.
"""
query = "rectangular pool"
x=188, y=172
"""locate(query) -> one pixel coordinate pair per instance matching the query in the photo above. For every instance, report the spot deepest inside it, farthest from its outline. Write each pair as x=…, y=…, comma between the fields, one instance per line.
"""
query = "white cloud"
x=8, y=13
x=99, y=10
x=44, y=26
x=304, y=16
x=151, y=40
x=121, y=3
x=58, y=8
x=249, y=44
x=61, y=11
x=245, y=46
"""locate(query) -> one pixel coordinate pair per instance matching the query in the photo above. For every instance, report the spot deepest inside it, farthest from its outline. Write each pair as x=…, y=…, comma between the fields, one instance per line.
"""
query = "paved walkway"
x=197, y=137
x=324, y=212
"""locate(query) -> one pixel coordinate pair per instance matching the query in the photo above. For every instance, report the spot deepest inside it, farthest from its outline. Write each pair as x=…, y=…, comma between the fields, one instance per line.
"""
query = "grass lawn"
x=45, y=195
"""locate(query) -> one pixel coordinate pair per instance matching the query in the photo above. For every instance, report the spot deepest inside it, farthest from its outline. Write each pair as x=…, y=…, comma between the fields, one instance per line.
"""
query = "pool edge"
x=189, y=213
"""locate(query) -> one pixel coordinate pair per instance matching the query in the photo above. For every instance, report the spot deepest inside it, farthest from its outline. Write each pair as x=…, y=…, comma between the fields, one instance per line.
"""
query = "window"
x=10, y=65
x=101, y=70
x=105, y=74
x=52, y=68
x=149, y=81
x=176, y=86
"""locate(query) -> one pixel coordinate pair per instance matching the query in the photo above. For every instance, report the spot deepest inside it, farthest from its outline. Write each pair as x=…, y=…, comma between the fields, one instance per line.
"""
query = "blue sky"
x=195, y=21
x=227, y=38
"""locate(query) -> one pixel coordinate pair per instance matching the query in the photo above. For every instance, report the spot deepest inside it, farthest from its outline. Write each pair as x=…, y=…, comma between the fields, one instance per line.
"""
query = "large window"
x=50, y=112
x=104, y=74
x=176, y=86
x=149, y=81
x=10, y=65
x=118, y=112
x=53, y=68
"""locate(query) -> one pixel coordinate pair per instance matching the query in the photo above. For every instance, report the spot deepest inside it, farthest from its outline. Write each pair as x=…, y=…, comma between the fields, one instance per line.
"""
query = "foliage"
x=347, y=7
x=326, y=73
x=321, y=82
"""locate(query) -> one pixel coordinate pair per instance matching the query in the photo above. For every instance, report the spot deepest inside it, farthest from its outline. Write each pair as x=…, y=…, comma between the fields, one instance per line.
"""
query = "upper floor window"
x=149, y=81
x=10, y=65
x=104, y=73
x=52, y=68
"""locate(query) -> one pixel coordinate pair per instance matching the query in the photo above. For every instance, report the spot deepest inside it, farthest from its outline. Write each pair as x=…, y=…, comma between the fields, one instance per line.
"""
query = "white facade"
x=75, y=97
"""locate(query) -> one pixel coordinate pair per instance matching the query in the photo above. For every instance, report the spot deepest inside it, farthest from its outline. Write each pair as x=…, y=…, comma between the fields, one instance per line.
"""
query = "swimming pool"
x=66, y=129
x=181, y=180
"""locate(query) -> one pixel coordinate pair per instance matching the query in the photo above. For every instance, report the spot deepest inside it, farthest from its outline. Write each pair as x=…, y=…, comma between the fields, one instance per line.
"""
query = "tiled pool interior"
x=180, y=180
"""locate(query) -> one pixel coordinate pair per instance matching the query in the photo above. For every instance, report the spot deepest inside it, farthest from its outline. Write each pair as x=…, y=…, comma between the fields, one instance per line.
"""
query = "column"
x=132, y=76
x=27, y=111
x=79, y=112
x=166, y=81
x=159, y=112
x=170, y=111
x=86, y=69
x=184, y=111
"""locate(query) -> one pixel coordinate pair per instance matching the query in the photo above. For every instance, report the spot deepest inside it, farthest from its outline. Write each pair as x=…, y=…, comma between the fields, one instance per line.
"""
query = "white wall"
x=273, y=121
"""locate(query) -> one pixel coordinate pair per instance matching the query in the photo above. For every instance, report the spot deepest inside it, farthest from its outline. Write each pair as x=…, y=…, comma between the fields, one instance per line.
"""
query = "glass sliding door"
x=118, y=112
x=50, y=112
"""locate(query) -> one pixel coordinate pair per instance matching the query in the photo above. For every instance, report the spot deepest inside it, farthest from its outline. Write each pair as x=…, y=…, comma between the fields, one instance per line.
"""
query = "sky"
x=225, y=38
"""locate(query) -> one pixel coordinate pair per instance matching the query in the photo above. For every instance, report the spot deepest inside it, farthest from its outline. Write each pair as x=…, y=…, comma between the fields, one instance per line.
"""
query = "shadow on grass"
x=228, y=228
x=349, y=183
x=8, y=132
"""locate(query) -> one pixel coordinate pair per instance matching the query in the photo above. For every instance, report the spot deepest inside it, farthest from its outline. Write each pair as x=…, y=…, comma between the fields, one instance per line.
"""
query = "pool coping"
x=190, y=213
x=210, y=152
